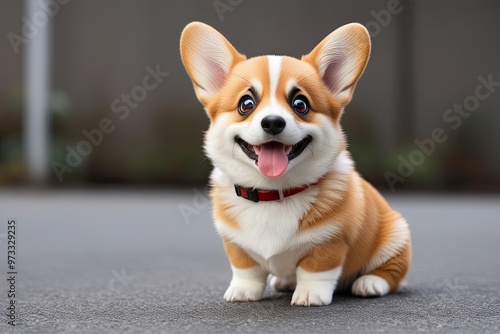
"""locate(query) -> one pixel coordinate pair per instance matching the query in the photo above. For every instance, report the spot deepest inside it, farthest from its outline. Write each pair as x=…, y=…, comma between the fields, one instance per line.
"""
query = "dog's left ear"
x=341, y=58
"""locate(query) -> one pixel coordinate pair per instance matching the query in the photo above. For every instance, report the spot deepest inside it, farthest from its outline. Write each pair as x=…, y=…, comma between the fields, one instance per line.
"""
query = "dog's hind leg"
x=385, y=278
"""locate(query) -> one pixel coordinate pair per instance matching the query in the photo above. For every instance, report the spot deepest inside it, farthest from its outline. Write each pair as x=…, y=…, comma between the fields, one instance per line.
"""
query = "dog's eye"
x=247, y=105
x=300, y=104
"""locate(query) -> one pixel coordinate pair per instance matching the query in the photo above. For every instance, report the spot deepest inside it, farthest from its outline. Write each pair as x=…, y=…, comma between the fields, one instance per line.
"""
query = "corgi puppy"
x=287, y=200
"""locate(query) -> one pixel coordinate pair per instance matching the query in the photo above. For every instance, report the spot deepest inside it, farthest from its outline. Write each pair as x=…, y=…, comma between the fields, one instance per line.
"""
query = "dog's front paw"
x=370, y=286
x=282, y=285
x=313, y=294
x=248, y=293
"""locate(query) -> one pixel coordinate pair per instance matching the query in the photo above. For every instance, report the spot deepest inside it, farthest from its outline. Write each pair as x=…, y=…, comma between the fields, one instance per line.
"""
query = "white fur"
x=268, y=229
x=315, y=289
x=246, y=285
x=283, y=284
x=370, y=286
x=313, y=162
x=282, y=265
x=257, y=85
x=274, y=64
x=392, y=246
x=290, y=84
x=307, y=168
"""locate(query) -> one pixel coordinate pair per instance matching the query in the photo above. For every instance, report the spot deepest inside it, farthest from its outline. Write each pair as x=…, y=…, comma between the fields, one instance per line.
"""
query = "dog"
x=287, y=200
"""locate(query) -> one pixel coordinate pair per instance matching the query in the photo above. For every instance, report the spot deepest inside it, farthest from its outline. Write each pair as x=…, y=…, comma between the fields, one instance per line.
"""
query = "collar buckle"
x=250, y=194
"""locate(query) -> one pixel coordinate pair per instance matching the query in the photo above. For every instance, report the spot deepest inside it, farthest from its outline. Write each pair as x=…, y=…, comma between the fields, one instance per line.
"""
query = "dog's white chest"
x=269, y=231
x=283, y=264
x=265, y=228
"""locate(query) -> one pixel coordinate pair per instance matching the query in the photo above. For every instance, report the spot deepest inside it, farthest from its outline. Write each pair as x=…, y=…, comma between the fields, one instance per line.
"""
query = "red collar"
x=256, y=195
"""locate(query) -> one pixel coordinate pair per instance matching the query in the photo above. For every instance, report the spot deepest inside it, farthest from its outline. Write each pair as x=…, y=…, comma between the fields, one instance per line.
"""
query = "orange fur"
x=325, y=256
x=237, y=256
x=221, y=208
x=365, y=220
x=394, y=270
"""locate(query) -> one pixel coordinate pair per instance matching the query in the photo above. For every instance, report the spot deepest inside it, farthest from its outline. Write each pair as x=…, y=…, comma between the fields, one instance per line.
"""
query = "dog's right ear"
x=208, y=58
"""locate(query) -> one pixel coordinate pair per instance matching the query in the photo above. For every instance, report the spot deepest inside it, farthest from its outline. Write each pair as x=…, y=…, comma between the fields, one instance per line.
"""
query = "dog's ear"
x=208, y=58
x=340, y=59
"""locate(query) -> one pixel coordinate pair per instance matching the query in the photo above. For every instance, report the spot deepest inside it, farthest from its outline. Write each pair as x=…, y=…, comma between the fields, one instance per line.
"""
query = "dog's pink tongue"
x=272, y=160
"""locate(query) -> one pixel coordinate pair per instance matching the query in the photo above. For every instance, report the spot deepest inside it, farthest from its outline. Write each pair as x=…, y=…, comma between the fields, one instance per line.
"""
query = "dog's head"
x=275, y=120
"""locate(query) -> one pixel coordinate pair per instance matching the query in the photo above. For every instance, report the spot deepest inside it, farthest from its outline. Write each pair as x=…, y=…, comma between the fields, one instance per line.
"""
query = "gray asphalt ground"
x=129, y=262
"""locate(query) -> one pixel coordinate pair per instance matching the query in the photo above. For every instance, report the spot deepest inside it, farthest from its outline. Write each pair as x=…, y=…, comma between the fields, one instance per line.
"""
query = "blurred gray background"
x=98, y=253
x=426, y=57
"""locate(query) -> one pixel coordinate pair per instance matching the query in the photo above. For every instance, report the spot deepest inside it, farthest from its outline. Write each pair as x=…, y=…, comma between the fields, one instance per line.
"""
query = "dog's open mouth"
x=272, y=157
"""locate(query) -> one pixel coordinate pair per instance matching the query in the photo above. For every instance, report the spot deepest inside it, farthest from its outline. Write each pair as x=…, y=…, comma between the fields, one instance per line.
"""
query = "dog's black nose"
x=273, y=124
